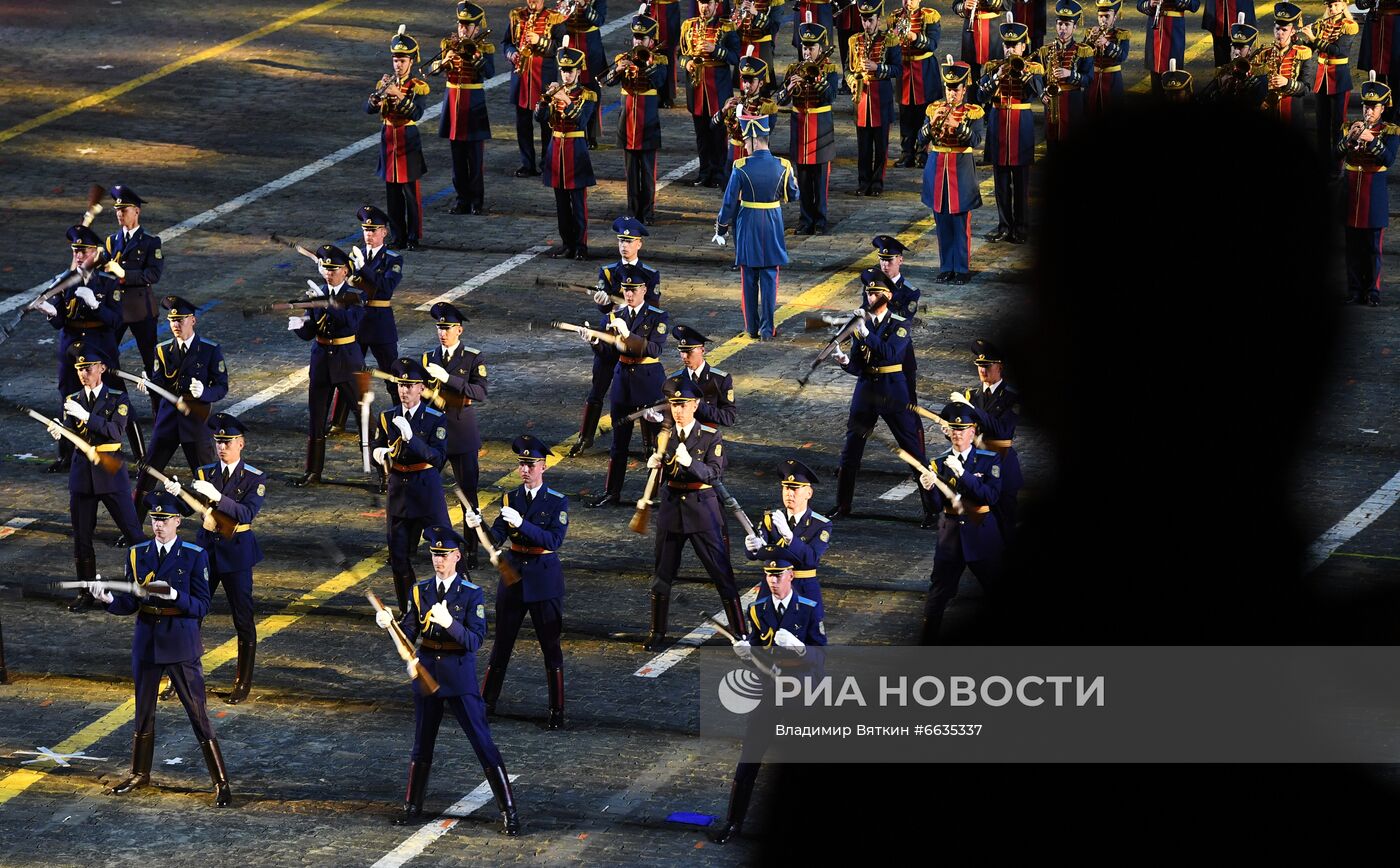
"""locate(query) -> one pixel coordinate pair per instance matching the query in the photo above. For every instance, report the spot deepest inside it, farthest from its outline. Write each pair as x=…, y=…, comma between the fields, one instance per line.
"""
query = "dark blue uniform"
x=415, y=485
x=690, y=511
x=636, y=384
x=335, y=354
x=971, y=539
x=717, y=406
x=811, y=536
x=610, y=279
x=378, y=333
x=89, y=484
x=757, y=186
x=466, y=384
x=95, y=328
x=231, y=561
x=141, y=258
x=905, y=302
x=174, y=369
x=996, y=422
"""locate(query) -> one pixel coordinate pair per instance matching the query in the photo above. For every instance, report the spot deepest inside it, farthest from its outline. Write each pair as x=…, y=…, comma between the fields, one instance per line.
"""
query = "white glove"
x=439, y=615
x=862, y=330
x=315, y=290
x=858, y=311
x=86, y=295
x=412, y=667
x=653, y=415
x=196, y=388
x=141, y=386
x=586, y=338
x=55, y=432
x=840, y=357
x=719, y=239
x=99, y=593
x=601, y=297
x=753, y=542
x=74, y=409
x=620, y=327
x=926, y=480
x=785, y=639
x=512, y=517
x=472, y=518
x=382, y=619
x=959, y=398
x=743, y=649
x=295, y=322
x=172, y=594
x=172, y=487
x=682, y=455
x=405, y=429
x=47, y=309
x=207, y=490
x=780, y=524
x=954, y=465
x=379, y=453
x=357, y=258
x=438, y=372
x=653, y=461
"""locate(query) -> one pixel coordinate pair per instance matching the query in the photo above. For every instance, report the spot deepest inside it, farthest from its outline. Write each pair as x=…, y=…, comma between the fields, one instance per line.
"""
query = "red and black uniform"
x=465, y=123
x=401, y=161
x=534, y=69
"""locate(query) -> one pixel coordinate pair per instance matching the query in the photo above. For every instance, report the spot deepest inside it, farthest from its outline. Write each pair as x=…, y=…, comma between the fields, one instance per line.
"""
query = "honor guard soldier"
x=1218, y=16
x=1110, y=44
x=193, y=368
x=787, y=624
x=690, y=510
x=400, y=100
x=376, y=272
x=628, y=269
x=1233, y=84
x=814, y=12
x=953, y=133
x=235, y=488
x=968, y=535
x=1380, y=41
x=582, y=28
x=872, y=67
x=1069, y=73
x=410, y=441
x=99, y=415
x=757, y=22
x=915, y=30
x=796, y=533
x=667, y=14
x=754, y=98
x=1166, y=36
x=1032, y=14
x=716, y=386
x=752, y=205
x=535, y=34
x=88, y=312
x=534, y=520
x=878, y=350
x=469, y=58
x=567, y=107
x=997, y=407
x=1009, y=89
x=1367, y=148
x=641, y=72
x=637, y=378
x=1287, y=63
x=458, y=377
x=447, y=617
x=810, y=89
x=142, y=262
x=335, y=354
x=710, y=48
x=167, y=639
x=905, y=298
x=1176, y=85
x=981, y=40
x=1330, y=39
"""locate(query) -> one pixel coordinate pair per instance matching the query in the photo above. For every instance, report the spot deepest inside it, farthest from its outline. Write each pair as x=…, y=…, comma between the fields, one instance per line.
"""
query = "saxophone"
x=708, y=33
x=875, y=49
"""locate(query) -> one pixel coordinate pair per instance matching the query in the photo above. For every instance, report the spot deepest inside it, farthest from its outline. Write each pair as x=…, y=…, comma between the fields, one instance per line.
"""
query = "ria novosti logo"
x=740, y=691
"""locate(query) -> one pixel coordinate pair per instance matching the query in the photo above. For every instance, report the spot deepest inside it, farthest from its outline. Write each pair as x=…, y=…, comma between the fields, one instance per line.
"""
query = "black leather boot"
x=738, y=807
x=138, y=445
x=660, y=608
x=65, y=458
x=505, y=800
x=587, y=429
x=734, y=611
x=612, y=484
x=491, y=686
x=214, y=759
x=556, y=698
x=243, y=681
x=340, y=412
x=413, y=799
x=845, y=492
x=143, y=748
x=403, y=586
x=86, y=569
x=315, y=462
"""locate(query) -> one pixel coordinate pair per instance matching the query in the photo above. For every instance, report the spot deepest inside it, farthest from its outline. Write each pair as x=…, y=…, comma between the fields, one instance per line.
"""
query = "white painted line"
x=169, y=234
x=658, y=665
x=1356, y=521
x=489, y=274
x=900, y=491
x=15, y=525
x=421, y=839
x=291, y=381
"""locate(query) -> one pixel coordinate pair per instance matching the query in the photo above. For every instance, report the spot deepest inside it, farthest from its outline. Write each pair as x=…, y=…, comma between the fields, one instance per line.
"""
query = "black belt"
x=433, y=645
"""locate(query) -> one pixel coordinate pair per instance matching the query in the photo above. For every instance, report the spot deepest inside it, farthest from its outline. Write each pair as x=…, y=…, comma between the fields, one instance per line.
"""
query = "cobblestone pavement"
x=317, y=758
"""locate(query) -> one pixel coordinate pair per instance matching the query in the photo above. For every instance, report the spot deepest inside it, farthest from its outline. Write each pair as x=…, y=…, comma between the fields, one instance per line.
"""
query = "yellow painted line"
x=112, y=93
x=1368, y=557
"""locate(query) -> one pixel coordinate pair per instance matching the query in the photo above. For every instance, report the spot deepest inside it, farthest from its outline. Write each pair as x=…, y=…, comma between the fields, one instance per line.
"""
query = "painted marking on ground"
x=420, y=840
x=1357, y=520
